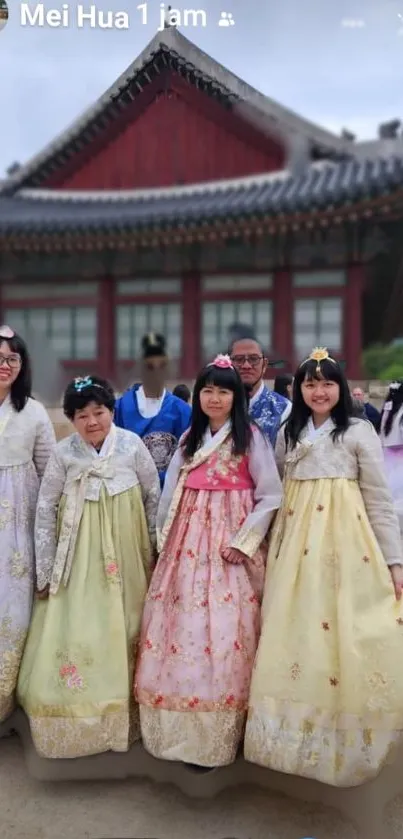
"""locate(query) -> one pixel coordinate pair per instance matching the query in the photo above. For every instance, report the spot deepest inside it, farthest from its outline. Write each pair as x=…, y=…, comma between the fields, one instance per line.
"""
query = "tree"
x=384, y=362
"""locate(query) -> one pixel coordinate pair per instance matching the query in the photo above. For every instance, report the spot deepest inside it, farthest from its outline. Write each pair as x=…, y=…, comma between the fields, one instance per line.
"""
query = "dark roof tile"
x=322, y=185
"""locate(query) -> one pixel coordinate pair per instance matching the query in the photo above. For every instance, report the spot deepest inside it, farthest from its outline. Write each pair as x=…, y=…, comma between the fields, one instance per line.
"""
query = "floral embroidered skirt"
x=199, y=634
x=18, y=495
x=326, y=696
x=76, y=675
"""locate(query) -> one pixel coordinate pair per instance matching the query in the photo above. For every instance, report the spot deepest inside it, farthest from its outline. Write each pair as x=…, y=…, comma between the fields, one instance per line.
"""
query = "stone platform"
x=364, y=806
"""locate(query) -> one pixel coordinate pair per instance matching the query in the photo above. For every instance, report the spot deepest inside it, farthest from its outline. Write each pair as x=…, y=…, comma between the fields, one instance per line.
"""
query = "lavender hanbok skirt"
x=19, y=487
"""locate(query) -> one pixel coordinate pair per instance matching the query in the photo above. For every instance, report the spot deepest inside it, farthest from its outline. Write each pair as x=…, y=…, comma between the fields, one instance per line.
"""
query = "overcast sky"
x=296, y=51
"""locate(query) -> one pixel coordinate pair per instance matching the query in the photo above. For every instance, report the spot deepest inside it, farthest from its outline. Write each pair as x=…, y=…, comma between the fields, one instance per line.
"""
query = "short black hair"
x=81, y=391
x=239, y=338
x=21, y=388
x=182, y=392
x=153, y=344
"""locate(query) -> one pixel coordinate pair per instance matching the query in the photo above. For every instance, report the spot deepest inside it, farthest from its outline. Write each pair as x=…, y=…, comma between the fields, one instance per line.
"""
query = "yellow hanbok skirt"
x=326, y=698
x=75, y=681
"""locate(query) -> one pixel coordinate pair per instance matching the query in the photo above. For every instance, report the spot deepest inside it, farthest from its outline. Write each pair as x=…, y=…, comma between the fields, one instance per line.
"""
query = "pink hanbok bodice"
x=222, y=471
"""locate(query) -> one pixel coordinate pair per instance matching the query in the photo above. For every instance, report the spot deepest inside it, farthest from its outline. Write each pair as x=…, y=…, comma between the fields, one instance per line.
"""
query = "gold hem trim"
x=341, y=750
x=72, y=737
x=7, y=705
x=204, y=738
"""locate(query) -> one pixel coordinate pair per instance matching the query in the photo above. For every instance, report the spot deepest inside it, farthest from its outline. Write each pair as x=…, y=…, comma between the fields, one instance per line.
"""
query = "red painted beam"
x=191, y=325
x=106, y=331
x=353, y=320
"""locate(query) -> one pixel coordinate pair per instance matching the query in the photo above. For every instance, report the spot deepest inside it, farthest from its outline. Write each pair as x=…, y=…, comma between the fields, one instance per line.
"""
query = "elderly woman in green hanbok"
x=94, y=539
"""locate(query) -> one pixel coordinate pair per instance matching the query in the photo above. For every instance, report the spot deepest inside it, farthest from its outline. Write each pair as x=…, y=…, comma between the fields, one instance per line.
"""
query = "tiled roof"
x=171, y=49
x=323, y=186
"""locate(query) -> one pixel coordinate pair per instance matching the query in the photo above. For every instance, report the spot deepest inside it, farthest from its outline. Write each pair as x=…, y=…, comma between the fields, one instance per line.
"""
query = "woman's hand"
x=233, y=556
x=42, y=595
x=396, y=572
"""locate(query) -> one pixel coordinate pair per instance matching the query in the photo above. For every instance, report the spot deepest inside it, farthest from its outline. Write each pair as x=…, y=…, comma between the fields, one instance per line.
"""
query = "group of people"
x=210, y=579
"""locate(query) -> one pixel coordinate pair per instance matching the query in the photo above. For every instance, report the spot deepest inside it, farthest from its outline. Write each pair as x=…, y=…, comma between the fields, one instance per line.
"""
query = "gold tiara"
x=319, y=354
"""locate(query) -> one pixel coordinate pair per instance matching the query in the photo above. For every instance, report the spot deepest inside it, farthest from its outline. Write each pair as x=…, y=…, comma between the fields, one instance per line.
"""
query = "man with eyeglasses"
x=267, y=408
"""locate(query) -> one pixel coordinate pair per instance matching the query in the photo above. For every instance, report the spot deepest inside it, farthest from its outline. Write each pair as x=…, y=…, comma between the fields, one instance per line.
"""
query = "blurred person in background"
x=26, y=442
x=370, y=412
x=148, y=409
x=391, y=434
x=182, y=392
x=358, y=409
x=283, y=385
x=267, y=408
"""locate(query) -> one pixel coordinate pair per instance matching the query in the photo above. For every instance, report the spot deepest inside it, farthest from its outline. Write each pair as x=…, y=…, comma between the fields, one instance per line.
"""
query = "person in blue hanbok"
x=152, y=412
x=267, y=408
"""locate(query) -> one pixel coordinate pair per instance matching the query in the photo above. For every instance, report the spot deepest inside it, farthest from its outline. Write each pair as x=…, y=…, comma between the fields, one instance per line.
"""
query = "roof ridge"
x=275, y=117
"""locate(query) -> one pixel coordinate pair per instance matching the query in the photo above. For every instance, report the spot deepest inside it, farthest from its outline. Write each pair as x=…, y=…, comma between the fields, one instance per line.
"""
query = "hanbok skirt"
x=77, y=672
x=393, y=456
x=326, y=697
x=19, y=487
x=199, y=634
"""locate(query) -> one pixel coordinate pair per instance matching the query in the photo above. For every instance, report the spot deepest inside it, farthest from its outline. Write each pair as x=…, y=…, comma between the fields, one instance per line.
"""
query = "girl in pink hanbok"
x=201, y=619
x=392, y=443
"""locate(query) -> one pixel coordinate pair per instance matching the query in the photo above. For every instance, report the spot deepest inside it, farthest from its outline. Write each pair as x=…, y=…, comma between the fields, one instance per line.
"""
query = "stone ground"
x=132, y=809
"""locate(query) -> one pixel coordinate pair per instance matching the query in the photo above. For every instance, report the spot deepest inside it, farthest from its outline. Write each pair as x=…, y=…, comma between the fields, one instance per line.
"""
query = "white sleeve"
x=170, y=484
x=45, y=442
x=280, y=451
x=50, y=493
x=267, y=496
x=376, y=494
x=149, y=484
x=286, y=413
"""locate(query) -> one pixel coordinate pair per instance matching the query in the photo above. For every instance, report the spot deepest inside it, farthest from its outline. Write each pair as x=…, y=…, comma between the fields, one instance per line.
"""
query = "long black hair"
x=21, y=388
x=395, y=397
x=342, y=413
x=241, y=428
x=281, y=383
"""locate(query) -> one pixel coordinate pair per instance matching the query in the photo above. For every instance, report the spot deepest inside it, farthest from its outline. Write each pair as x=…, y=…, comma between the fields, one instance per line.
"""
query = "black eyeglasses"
x=12, y=361
x=253, y=360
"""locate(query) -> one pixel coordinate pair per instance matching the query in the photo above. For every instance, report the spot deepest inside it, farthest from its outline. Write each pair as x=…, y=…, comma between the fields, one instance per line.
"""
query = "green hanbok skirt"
x=76, y=675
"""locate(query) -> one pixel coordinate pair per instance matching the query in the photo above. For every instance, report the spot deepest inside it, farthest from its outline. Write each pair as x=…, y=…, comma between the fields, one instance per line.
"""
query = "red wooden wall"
x=171, y=134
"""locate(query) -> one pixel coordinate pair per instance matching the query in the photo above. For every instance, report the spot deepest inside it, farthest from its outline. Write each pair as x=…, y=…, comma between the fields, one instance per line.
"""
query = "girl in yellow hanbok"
x=326, y=698
x=94, y=535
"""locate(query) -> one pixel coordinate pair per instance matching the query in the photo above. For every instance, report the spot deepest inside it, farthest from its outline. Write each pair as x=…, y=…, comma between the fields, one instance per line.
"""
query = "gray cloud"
x=298, y=53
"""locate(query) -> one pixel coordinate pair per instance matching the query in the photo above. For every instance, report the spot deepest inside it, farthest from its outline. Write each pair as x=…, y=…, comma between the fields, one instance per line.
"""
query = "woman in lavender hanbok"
x=201, y=619
x=392, y=442
x=26, y=441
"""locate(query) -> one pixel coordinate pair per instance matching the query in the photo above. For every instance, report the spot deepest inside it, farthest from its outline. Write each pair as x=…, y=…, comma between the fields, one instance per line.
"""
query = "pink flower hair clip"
x=223, y=362
x=6, y=332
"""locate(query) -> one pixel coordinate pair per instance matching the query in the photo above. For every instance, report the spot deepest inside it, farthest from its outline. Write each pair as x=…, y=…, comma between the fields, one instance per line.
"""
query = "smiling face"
x=216, y=403
x=321, y=396
x=93, y=423
x=10, y=366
